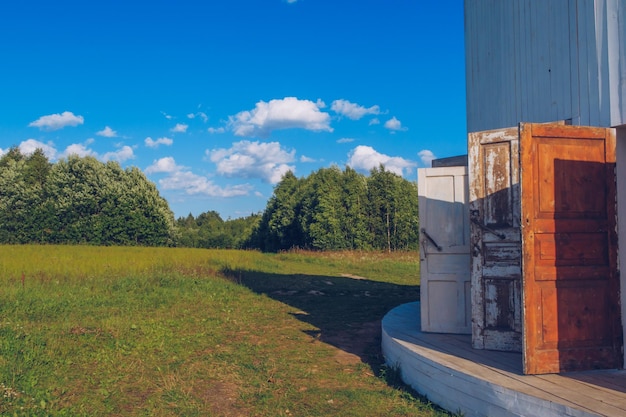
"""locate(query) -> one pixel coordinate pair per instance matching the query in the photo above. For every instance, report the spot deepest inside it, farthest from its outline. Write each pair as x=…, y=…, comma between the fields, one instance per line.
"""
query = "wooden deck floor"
x=450, y=373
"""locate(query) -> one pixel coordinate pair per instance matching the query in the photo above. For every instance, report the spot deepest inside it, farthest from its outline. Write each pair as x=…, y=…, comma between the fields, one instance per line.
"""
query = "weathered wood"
x=486, y=383
x=444, y=249
x=495, y=239
x=571, y=284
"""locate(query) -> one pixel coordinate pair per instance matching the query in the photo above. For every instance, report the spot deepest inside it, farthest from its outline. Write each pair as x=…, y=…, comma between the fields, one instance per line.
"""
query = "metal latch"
x=487, y=229
x=431, y=240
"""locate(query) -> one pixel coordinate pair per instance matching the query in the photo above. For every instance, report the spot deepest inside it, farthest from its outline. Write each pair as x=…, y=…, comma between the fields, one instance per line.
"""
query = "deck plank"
x=483, y=383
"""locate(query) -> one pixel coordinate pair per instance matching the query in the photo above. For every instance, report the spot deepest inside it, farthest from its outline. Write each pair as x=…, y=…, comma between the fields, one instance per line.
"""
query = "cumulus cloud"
x=167, y=164
x=394, y=124
x=351, y=110
x=287, y=113
x=306, y=159
x=245, y=159
x=29, y=146
x=122, y=154
x=197, y=184
x=107, y=132
x=151, y=143
x=374, y=121
x=57, y=121
x=216, y=130
x=180, y=178
x=345, y=140
x=167, y=116
x=365, y=158
x=79, y=149
x=426, y=156
x=179, y=128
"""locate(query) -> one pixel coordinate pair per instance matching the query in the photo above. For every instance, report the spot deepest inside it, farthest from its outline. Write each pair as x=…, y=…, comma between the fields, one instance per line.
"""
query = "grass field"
x=111, y=331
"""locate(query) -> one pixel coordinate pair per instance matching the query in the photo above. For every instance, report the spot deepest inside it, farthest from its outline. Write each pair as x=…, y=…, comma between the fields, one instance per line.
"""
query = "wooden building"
x=546, y=61
x=521, y=242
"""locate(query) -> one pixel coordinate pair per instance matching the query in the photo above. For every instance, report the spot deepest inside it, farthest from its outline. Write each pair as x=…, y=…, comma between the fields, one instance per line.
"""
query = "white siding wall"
x=545, y=60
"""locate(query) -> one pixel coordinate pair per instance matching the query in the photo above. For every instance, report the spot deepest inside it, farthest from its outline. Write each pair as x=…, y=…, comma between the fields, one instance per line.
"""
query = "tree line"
x=333, y=209
x=80, y=200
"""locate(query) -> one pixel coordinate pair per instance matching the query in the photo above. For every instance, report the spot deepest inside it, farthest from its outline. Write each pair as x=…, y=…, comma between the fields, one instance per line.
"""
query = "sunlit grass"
x=158, y=331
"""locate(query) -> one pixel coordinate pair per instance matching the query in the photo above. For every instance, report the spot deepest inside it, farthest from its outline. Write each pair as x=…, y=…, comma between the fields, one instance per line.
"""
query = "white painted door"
x=444, y=250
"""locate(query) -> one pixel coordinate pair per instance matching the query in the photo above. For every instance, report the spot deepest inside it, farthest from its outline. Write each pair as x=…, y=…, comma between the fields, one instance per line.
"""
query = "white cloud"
x=179, y=128
x=374, y=121
x=151, y=143
x=196, y=184
x=365, y=158
x=394, y=124
x=180, y=178
x=167, y=164
x=122, y=154
x=216, y=130
x=167, y=116
x=426, y=156
x=345, y=140
x=57, y=121
x=29, y=146
x=78, y=149
x=306, y=159
x=107, y=132
x=286, y=113
x=199, y=114
x=351, y=110
x=245, y=159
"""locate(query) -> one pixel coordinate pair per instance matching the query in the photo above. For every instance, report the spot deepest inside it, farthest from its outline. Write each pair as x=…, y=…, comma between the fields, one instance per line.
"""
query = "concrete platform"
x=446, y=369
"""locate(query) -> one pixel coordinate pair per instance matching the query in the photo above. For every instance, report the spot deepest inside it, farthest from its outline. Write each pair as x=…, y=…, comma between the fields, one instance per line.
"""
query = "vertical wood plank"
x=570, y=283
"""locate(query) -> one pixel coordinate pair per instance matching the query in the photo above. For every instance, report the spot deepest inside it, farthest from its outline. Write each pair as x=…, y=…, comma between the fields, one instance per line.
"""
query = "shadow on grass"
x=346, y=310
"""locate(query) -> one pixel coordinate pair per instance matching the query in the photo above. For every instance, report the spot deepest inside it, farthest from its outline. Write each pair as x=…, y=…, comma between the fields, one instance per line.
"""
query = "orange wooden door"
x=570, y=282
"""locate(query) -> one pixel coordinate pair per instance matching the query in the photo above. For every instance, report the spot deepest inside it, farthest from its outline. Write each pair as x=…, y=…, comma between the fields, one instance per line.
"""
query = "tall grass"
x=159, y=331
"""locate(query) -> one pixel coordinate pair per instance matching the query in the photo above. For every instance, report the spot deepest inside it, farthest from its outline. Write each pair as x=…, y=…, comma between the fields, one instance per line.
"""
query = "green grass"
x=91, y=331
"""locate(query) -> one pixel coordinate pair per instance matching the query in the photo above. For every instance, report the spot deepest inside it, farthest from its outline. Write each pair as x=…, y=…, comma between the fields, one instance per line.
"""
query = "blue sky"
x=215, y=100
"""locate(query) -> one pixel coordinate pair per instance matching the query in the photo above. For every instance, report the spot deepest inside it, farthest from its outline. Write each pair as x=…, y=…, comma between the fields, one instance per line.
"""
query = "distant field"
x=126, y=331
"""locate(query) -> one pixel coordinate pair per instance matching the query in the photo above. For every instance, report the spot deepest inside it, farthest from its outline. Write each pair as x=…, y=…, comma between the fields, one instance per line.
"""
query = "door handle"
x=487, y=229
x=431, y=240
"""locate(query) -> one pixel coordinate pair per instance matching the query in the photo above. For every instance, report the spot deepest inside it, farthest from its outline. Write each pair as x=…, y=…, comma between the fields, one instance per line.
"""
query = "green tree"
x=356, y=232
x=16, y=201
x=12, y=154
x=79, y=200
x=37, y=167
x=278, y=228
x=393, y=218
x=323, y=211
x=335, y=210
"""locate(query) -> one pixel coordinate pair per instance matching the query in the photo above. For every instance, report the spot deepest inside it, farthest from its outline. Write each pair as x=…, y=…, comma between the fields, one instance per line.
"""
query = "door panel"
x=570, y=283
x=495, y=239
x=444, y=248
